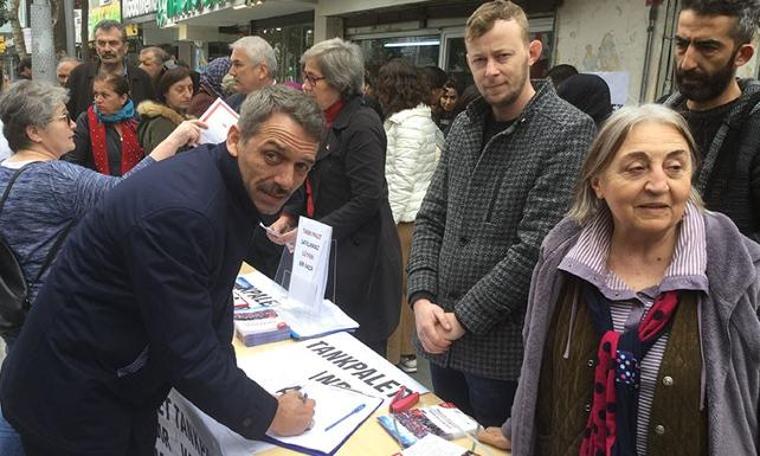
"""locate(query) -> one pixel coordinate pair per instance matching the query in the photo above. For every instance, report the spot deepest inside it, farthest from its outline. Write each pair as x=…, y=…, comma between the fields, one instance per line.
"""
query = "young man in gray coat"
x=504, y=180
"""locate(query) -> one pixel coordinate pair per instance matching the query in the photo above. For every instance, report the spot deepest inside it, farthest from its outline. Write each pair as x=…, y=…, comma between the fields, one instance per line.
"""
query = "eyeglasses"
x=313, y=80
x=63, y=117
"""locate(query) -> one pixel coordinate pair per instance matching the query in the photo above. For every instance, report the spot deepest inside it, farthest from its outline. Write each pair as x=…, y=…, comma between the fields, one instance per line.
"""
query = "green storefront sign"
x=172, y=9
x=110, y=11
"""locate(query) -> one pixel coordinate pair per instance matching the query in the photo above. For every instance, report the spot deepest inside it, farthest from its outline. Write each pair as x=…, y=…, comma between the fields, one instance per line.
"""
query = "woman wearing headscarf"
x=642, y=332
x=106, y=134
x=210, y=87
x=346, y=189
x=44, y=196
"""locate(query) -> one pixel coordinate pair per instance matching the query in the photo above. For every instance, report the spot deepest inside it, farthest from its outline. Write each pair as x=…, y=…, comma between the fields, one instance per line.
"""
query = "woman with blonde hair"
x=642, y=330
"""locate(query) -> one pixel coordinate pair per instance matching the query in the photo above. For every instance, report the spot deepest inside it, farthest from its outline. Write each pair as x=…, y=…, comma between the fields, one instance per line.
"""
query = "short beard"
x=704, y=87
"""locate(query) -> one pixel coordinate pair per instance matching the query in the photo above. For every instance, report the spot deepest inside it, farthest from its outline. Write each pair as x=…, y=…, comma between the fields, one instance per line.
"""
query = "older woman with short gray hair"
x=642, y=326
x=346, y=189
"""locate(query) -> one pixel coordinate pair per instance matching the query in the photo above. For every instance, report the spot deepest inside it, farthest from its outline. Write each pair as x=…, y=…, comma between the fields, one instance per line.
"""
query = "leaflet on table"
x=255, y=316
x=338, y=414
x=432, y=445
x=219, y=117
x=262, y=292
x=443, y=420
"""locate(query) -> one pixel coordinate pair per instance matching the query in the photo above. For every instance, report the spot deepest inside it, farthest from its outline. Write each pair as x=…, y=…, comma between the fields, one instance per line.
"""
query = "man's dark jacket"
x=729, y=176
x=137, y=303
x=80, y=86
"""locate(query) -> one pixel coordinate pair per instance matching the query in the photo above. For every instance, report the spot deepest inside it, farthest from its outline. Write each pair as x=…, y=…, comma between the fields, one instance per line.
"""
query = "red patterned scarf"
x=131, y=152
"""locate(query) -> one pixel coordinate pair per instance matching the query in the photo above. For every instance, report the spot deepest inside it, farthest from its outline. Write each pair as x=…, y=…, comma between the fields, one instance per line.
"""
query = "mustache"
x=275, y=190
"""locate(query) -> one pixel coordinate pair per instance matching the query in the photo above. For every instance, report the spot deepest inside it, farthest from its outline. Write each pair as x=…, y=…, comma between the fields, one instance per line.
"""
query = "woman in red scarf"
x=106, y=134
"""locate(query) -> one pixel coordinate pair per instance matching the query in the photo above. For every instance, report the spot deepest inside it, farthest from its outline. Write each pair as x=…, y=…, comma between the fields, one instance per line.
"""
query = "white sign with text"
x=310, y=263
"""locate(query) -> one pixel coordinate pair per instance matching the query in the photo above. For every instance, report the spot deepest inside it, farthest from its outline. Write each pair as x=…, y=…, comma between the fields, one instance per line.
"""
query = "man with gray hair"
x=65, y=66
x=111, y=47
x=138, y=301
x=151, y=60
x=254, y=64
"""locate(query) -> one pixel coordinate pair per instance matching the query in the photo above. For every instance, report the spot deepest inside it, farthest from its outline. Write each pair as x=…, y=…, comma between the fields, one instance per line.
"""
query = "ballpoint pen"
x=358, y=409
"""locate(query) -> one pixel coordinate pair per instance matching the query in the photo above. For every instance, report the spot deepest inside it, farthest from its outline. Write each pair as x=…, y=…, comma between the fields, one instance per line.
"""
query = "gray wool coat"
x=481, y=223
x=729, y=329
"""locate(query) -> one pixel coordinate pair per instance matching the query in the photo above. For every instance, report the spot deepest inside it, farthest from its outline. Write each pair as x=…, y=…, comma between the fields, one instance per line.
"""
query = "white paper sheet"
x=219, y=117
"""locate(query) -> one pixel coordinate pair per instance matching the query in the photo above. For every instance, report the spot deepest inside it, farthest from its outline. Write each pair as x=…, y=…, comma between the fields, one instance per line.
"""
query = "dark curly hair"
x=745, y=12
x=398, y=87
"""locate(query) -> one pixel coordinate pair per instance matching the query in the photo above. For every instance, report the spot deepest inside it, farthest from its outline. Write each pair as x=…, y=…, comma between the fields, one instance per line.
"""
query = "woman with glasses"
x=174, y=89
x=106, y=134
x=346, y=189
x=48, y=197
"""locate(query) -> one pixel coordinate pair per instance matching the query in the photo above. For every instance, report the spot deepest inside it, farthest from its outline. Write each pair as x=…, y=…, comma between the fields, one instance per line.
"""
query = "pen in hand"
x=358, y=409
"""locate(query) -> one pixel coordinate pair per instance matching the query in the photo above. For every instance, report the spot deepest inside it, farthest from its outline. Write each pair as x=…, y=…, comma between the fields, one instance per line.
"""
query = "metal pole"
x=43, y=50
x=68, y=20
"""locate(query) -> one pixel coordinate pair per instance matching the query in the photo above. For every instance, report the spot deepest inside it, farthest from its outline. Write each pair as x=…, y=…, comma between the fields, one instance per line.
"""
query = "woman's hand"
x=186, y=133
x=283, y=231
x=494, y=437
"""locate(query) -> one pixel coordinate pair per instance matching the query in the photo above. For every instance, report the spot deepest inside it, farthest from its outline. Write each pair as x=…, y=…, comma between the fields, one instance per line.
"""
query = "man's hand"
x=457, y=330
x=432, y=324
x=494, y=437
x=294, y=414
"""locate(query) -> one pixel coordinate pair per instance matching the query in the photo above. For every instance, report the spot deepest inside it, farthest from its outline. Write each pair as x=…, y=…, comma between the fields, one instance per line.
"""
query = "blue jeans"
x=10, y=441
x=487, y=400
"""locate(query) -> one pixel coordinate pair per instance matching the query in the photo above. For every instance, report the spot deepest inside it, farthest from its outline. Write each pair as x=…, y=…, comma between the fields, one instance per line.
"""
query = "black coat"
x=137, y=303
x=80, y=87
x=351, y=195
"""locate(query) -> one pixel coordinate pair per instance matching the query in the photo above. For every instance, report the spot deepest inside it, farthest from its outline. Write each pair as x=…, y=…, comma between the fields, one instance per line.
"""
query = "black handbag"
x=14, y=291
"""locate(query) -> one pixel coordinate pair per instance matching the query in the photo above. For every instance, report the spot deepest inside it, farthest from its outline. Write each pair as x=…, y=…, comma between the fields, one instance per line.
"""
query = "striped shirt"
x=687, y=271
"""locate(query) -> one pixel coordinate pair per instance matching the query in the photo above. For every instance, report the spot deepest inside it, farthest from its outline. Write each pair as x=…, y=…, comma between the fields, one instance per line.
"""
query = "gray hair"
x=108, y=24
x=68, y=59
x=259, y=51
x=158, y=53
x=259, y=106
x=607, y=143
x=26, y=104
x=341, y=63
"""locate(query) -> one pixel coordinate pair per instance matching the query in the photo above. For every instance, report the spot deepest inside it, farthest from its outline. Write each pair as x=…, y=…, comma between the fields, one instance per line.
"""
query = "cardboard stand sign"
x=310, y=263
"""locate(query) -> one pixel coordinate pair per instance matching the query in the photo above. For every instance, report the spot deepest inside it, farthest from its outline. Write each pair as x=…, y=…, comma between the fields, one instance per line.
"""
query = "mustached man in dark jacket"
x=111, y=47
x=138, y=300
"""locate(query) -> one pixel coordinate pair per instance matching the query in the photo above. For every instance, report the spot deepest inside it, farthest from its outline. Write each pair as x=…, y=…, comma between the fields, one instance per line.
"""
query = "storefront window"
x=289, y=42
x=418, y=50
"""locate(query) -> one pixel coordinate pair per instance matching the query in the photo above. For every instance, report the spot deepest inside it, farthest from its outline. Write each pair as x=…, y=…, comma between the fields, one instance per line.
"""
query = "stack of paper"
x=303, y=322
x=255, y=316
x=256, y=327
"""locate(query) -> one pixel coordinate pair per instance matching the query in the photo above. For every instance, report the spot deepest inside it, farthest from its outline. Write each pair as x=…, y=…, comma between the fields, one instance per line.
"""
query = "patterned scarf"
x=131, y=152
x=611, y=426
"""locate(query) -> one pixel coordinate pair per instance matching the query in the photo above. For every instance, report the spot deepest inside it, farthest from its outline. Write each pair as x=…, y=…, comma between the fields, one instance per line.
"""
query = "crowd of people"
x=582, y=280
